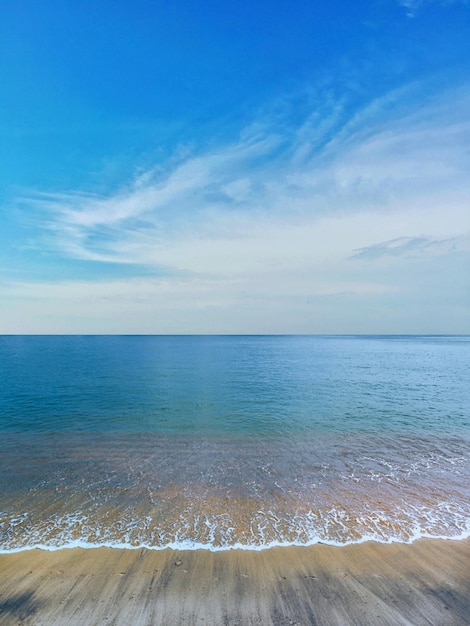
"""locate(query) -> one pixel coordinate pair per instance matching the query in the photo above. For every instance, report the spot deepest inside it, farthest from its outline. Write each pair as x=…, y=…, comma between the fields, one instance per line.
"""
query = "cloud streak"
x=413, y=6
x=405, y=246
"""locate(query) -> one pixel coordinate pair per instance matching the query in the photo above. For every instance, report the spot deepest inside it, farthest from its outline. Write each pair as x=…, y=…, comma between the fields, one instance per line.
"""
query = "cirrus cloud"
x=282, y=230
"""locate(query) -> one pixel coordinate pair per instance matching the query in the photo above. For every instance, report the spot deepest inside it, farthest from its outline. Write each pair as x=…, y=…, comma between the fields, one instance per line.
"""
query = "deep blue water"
x=241, y=385
x=227, y=441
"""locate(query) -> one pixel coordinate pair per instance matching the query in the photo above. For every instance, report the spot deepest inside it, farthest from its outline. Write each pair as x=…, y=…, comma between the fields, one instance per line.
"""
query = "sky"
x=235, y=167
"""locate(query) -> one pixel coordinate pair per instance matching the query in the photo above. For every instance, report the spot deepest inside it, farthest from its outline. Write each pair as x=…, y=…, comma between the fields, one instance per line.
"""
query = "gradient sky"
x=235, y=167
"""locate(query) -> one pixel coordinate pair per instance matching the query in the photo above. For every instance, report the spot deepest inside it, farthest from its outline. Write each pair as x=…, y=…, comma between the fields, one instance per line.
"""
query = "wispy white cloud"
x=153, y=206
x=344, y=211
x=413, y=6
x=273, y=184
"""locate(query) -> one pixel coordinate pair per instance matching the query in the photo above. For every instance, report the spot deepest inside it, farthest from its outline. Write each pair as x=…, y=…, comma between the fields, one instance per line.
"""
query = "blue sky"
x=233, y=167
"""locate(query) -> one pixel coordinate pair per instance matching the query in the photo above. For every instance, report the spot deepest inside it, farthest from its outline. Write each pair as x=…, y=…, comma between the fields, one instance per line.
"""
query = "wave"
x=264, y=531
x=177, y=546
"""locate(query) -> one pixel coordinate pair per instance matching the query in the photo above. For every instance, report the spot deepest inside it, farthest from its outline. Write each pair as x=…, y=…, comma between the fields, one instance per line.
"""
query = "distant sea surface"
x=225, y=442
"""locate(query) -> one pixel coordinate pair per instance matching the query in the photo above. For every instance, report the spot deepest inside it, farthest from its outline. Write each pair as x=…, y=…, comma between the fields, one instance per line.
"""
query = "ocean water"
x=226, y=442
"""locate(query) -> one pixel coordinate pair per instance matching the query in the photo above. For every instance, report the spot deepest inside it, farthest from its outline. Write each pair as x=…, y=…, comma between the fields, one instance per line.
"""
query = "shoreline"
x=78, y=545
x=426, y=582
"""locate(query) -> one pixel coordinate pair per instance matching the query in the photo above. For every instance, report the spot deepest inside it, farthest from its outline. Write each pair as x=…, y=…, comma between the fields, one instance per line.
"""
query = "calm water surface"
x=223, y=442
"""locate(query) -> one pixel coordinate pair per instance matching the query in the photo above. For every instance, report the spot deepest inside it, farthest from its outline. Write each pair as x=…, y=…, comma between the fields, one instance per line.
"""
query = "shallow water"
x=223, y=442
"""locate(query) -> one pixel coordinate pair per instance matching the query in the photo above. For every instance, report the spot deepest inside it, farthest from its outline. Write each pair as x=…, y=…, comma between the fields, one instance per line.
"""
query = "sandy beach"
x=427, y=582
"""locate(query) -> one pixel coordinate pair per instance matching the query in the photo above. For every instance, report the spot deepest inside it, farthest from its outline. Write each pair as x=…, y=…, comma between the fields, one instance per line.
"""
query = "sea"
x=232, y=442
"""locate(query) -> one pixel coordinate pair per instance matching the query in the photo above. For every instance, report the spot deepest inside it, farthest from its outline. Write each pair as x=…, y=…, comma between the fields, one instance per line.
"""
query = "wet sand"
x=424, y=583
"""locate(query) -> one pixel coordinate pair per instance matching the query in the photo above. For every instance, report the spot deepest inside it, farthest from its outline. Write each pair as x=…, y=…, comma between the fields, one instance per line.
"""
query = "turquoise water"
x=223, y=442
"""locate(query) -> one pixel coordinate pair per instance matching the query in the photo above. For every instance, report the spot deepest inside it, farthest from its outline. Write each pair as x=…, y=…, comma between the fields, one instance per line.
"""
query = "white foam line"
x=189, y=545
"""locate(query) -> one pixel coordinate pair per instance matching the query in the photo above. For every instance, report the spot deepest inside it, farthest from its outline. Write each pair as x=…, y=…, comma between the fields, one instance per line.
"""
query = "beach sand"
x=427, y=582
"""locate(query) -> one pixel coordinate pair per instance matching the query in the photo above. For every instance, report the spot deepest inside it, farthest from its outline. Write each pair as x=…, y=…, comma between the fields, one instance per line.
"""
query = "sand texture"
x=424, y=583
